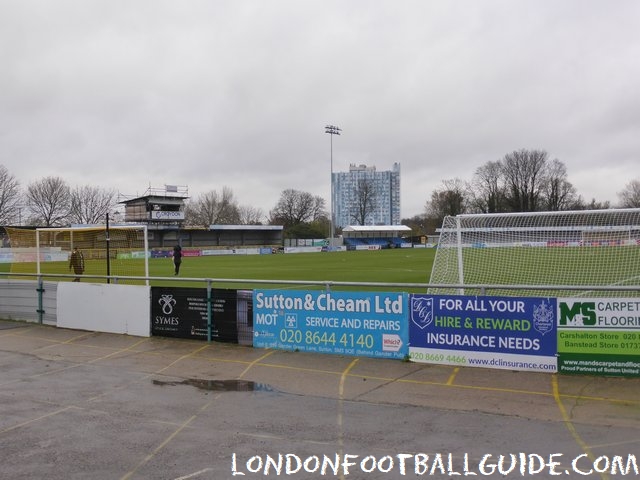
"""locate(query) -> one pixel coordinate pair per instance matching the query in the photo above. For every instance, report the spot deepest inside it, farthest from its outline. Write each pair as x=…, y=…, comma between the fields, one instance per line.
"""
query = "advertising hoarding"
x=515, y=333
x=599, y=336
x=370, y=324
x=182, y=313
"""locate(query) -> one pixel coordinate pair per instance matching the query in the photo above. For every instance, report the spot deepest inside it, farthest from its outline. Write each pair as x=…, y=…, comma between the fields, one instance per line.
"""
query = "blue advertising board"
x=370, y=324
x=516, y=333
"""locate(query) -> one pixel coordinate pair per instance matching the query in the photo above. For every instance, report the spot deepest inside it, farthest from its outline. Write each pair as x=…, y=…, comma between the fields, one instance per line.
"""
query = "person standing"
x=177, y=258
x=76, y=261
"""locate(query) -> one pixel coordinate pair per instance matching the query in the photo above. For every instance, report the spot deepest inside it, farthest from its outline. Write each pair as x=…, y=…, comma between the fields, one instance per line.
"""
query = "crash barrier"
x=595, y=335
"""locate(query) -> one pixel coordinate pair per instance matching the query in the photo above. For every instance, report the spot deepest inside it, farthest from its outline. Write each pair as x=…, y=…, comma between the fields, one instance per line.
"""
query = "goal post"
x=116, y=251
x=571, y=248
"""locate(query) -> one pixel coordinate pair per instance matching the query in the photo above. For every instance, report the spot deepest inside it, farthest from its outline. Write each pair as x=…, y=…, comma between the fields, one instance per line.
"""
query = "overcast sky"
x=213, y=93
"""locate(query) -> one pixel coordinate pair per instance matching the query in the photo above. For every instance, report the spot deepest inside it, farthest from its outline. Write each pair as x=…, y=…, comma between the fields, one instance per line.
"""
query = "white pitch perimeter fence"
x=110, y=306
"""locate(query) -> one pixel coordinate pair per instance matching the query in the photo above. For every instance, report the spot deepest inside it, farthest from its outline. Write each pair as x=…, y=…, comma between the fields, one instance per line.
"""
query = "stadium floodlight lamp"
x=332, y=130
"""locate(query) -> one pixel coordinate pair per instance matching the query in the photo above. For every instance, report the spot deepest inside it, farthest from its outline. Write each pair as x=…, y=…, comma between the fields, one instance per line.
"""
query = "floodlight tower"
x=331, y=130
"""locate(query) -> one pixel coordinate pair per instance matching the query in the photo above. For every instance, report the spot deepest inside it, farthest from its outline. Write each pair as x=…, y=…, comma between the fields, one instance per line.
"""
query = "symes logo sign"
x=167, y=302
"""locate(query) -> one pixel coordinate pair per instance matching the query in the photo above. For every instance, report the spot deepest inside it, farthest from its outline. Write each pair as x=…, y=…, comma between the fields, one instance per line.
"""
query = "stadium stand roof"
x=246, y=227
x=376, y=228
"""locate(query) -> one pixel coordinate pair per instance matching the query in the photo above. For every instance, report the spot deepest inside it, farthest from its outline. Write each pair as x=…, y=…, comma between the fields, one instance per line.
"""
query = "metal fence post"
x=40, y=291
x=209, y=319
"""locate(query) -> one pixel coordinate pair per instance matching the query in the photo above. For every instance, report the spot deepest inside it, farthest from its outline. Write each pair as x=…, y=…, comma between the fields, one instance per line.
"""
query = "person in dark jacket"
x=76, y=261
x=177, y=258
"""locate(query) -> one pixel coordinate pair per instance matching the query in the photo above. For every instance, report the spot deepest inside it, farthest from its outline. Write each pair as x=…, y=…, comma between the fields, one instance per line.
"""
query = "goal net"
x=576, y=248
x=118, y=251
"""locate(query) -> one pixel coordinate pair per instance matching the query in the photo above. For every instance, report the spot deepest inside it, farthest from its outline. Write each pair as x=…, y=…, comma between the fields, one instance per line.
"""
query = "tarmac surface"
x=85, y=405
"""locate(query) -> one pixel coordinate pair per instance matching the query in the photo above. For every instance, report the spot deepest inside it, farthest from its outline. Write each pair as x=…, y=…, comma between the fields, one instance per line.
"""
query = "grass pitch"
x=411, y=265
x=406, y=265
x=586, y=266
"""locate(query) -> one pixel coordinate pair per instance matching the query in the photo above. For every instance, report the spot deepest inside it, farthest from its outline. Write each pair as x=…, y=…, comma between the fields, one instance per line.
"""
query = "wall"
x=19, y=301
x=104, y=308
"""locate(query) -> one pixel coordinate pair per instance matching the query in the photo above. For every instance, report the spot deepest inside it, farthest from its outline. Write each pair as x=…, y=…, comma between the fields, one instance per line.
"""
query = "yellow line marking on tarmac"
x=452, y=377
x=57, y=370
x=182, y=358
x=43, y=374
x=449, y=382
x=21, y=334
x=458, y=385
x=33, y=420
x=27, y=327
x=299, y=369
x=62, y=342
x=167, y=440
x=78, y=337
x=65, y=342
x=343, y=377
x=119, y=351
x=616, y=444
x=146, y=459
x=284, y=437
x=93, y=399
x=194, y=474
x=255, y=362
x=569, y=424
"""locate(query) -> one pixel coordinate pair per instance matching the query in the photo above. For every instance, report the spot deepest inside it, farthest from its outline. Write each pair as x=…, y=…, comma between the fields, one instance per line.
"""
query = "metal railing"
x=328, y=285
x=482, y=289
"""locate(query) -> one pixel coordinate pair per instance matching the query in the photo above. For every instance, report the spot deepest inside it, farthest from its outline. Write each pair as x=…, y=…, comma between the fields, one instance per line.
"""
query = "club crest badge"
x=543, y=318
x=422, y=311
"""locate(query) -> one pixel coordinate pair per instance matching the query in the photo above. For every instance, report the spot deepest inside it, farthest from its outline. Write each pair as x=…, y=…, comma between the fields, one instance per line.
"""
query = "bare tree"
x=523, y=171
x=630, y=195
x=558, y=192
x=9, y=197
x=421, y=224
x=213, y=208
x=365, y=201
x=450, y=200
x=90, y=204
x=49, y=201
x=522, y=181
x=580, y=204
x=250, y=215
x=296, y=207
x=488, y=192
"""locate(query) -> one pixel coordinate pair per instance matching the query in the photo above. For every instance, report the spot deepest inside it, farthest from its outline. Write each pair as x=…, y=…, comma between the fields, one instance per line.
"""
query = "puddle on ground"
x=220, y=385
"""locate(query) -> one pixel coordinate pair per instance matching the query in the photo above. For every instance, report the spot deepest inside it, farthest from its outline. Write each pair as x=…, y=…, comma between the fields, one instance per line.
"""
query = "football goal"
x=116, y=251
x=573, y=248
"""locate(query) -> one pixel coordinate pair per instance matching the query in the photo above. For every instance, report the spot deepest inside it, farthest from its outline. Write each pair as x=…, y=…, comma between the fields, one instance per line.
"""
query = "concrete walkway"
x=78, y=404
